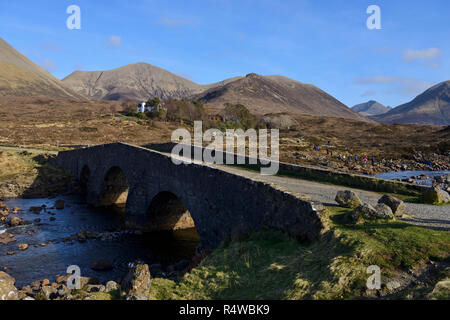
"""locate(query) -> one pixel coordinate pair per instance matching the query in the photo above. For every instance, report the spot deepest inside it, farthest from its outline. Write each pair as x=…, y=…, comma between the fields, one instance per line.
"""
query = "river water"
x=408, y=174
x=44, y=262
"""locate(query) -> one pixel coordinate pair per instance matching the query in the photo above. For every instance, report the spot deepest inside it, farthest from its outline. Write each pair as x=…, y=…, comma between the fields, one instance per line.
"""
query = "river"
x=44, y=262
x=408, y=174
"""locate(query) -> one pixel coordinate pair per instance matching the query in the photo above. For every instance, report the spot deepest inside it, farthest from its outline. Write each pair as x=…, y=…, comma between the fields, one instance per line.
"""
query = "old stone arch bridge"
x=161, y=195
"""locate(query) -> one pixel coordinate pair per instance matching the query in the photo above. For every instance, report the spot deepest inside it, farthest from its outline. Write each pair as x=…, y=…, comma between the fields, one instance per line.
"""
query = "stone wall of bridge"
x=221, y=204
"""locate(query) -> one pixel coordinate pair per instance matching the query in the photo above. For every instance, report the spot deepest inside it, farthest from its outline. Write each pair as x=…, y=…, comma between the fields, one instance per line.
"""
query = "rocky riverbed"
x=345, y=162
x=41, y=238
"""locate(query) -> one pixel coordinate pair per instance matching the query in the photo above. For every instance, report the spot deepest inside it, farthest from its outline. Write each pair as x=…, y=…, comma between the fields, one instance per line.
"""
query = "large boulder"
x=380, y=211
x=7, y=289
x=348, y=199
x=47, y=293
x=111, y=286
x=441, y=290
x=397, y=206
x=137, y=282
x=436, y=195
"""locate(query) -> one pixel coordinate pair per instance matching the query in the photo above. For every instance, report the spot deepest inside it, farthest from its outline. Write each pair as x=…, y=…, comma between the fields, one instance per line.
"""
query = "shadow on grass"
x=269, y=265
x=50, y=179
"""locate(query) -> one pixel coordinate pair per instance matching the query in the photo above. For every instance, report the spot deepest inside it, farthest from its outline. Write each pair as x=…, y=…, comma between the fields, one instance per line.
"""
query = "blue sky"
x=325, y=43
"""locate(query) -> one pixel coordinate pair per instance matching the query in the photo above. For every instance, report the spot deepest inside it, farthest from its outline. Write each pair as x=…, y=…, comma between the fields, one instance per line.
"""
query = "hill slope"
x=370, y=108
x=21, y=77
x=432, y=107
x=138, y=81
x=272, y=94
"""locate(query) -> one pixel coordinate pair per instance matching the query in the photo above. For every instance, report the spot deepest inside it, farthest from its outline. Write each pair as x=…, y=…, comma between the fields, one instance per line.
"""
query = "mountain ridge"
x=277, y=94
x=19, y=76
x=137, y=81
x=371, y=108
x=432, y=107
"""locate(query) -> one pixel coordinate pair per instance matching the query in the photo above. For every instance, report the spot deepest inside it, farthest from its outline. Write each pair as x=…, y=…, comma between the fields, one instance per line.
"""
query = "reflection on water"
x=40, y=262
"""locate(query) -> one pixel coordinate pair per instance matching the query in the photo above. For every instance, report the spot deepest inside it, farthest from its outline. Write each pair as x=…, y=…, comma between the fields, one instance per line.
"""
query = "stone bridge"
x=160, y=195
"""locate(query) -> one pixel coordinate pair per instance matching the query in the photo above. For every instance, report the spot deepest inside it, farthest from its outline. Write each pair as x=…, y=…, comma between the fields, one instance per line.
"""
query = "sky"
x=325, y=43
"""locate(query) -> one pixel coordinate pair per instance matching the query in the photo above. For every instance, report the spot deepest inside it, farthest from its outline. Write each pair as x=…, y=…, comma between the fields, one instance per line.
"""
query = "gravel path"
x=420, y=214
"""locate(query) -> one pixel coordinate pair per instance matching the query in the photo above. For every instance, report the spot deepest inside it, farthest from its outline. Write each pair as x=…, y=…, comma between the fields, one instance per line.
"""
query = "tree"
x=154, y=102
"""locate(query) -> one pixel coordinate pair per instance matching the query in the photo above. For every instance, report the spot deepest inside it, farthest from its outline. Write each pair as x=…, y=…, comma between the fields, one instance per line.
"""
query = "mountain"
x=432, y=107
x=138, y=81
x=272, y=94
x=370, y=108
x=21, y=77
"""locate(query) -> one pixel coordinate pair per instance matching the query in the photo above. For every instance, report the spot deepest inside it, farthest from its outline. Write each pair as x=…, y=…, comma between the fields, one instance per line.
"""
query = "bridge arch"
x=166, y=212
x=115, y=188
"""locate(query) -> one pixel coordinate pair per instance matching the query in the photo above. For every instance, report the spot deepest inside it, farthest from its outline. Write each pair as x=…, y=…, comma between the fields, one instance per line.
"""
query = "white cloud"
x=115, y=41
x=426, y=54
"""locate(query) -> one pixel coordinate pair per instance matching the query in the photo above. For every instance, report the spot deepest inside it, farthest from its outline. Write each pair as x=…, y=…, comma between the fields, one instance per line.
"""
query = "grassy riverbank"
x=269, y=265
x=25, y=174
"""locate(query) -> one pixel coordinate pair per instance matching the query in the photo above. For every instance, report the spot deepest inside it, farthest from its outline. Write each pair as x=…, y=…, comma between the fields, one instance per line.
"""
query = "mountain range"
x=370, y=108
x=260, y=94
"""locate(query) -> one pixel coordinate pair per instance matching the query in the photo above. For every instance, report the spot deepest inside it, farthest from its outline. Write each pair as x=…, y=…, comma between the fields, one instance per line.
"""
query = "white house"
x=141, y=107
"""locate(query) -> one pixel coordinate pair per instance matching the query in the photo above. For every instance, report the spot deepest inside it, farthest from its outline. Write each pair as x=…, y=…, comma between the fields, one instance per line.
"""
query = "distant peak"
x=253, y=75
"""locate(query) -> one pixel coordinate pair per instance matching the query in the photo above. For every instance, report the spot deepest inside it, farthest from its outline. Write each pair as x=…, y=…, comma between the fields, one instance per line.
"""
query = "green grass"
x=269, y=265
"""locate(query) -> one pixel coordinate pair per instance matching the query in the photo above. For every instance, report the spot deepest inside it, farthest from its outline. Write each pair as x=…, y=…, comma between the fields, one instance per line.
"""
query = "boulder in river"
x=7, y=289
x=16, y=221
x=347, y=199
x=397, y=206
x=23, y=247
x=4, y=206
x=59, y=204
x=101, y=265
x=36, y=210
x=6, y=238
